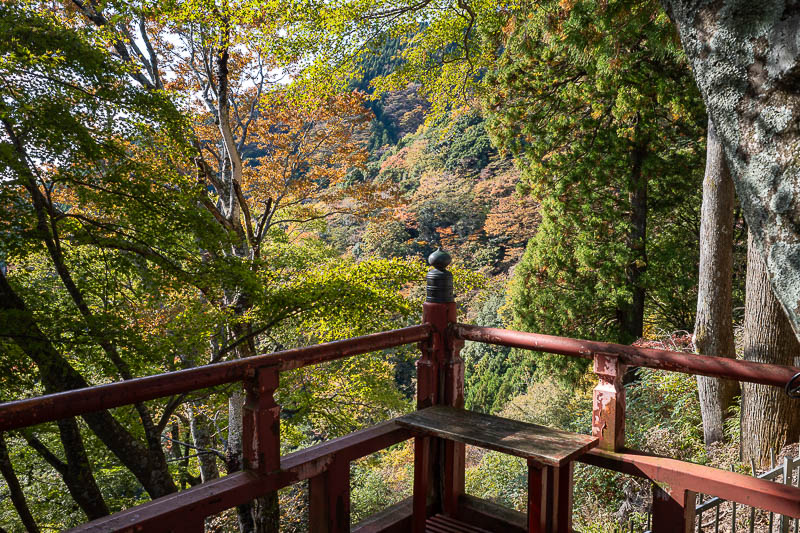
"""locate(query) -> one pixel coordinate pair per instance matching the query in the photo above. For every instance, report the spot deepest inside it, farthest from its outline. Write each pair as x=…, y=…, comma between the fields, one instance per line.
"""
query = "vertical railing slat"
x=733, y=513
x=329, y=499
x=787, y=477
x=753, y=509
x=771, y=466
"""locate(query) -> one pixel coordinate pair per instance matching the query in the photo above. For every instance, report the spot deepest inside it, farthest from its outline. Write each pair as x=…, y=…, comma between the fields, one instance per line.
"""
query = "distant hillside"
x=397, y=113
x=457, y=192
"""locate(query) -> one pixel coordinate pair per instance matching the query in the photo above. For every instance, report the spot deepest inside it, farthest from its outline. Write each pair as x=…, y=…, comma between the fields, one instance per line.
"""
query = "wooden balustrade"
x=440, y=382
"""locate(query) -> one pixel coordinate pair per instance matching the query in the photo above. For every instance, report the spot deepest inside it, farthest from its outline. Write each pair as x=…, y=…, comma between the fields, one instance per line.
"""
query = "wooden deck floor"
x=444, y=524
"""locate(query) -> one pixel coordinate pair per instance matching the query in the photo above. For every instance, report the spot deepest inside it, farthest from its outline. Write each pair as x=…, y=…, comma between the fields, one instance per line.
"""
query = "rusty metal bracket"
x=793, y=387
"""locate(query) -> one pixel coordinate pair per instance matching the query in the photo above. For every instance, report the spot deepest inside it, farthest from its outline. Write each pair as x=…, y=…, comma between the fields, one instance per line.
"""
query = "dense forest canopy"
x=195, y=181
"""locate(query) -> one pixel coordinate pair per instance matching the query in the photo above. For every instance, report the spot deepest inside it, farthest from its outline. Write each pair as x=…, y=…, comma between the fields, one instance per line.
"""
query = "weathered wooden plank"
x=548, y=446
x=394, y=519
x=490, y=516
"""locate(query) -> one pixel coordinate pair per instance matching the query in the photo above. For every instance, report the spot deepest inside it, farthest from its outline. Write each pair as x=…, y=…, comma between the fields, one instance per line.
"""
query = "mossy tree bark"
x=770, y=419
x=713, y=328
x=746, y=61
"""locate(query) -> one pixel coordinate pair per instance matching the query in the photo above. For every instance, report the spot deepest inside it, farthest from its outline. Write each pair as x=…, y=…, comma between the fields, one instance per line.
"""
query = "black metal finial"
x=439, y=280
x=793, y=387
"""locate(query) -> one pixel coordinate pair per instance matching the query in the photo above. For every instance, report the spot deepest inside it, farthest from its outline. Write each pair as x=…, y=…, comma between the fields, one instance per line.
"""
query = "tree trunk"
x=202, y=439
x=746, y=61
x=770, y=419
x=633, y=315
x=266, y=513
x=15, y=490
x=18, y=323
x=233, y=456
x=713, y=327
x=76, y=472
x=78, y=475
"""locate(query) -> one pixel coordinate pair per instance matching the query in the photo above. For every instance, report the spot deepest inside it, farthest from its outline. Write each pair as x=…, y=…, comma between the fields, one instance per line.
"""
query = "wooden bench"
x=549, y=453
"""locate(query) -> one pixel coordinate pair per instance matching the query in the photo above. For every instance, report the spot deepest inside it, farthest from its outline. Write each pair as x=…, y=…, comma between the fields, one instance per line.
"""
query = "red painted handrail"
x=22, y=413
x=687, y=363
x=171, y=511
x=733, y=486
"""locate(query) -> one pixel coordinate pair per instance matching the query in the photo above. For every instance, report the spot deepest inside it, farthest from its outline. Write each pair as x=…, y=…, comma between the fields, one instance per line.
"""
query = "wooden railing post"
x=673, y=510
x=608, y=406
x=329, y=499
x=261, y=441
x=440, y=381
x=453, y=396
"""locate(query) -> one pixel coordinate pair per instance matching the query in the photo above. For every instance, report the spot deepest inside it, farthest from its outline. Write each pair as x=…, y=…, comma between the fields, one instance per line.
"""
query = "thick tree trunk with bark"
x=713, y=328
x=745, y=56
x=770, y=419
x=262, y=515
x=15, y=490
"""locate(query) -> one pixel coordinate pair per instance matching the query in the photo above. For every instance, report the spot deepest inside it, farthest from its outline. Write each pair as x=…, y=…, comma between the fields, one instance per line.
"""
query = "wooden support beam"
x=454, y=457
x=422, y=482
x=608, y=405
x=51, y=407
x=732, y=486
x=174, y=511
x=428, y=393
x=329, y=499
x=440, y=381
x=549, y=498
x=688, y=363
x=537, y=498
x=559, y=498
x=673, y=510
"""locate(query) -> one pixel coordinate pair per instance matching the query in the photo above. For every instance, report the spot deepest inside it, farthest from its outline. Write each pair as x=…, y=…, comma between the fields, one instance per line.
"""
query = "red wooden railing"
x=440, y=380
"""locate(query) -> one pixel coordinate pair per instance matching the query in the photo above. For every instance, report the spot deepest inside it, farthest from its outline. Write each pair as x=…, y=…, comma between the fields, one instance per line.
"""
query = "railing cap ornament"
x=439, y=281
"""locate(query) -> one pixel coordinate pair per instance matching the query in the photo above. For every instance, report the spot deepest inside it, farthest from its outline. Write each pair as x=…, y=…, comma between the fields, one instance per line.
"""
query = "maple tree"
x=182, y=229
